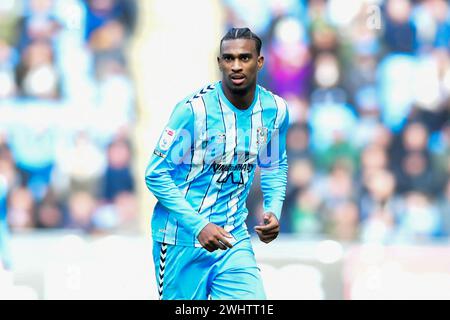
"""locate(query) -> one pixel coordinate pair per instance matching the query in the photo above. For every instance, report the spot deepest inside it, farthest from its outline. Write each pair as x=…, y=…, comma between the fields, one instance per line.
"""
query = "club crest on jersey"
x=261, y=136
x=167, y=139
x=221, y=138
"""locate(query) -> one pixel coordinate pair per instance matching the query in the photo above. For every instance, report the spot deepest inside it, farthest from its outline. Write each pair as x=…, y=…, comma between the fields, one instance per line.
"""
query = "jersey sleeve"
x=274, y=168
x=173, y=145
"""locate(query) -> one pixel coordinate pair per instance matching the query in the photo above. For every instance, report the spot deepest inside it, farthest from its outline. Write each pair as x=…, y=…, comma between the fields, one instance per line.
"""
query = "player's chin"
x=239, y=89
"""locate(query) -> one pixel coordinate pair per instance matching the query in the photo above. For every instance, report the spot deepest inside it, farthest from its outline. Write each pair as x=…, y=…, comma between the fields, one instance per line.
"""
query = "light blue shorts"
x=190, y=273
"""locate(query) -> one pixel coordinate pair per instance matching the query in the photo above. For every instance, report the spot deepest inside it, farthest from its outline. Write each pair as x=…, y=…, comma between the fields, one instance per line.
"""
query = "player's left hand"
x=270, y=228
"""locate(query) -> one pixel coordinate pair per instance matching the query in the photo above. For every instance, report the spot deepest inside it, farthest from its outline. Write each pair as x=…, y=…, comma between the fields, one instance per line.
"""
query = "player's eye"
x=245, y=59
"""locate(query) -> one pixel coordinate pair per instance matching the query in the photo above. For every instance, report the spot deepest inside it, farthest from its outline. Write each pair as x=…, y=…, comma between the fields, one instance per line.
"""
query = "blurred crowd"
x=368, y=88
x=63, y=72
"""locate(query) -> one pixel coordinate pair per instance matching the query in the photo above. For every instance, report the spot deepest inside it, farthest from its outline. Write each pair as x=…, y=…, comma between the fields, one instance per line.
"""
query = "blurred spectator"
x=432, y=89
x=300, y=177
x=343, y=221
x=83, y=164
x=379, y=228
x=298, y=109
x=327, y=73
x=4, y=230
x=380, y=196
x=289, y=60
x=441, y=151
x=395, y=76
x=341, y=152
x=34, y=150
x=8, y=169
x=117, y=177
x=440, y=12
x=400, y=31
x=383, y=137
x=81, y=206
x=109, y=23
x=119, y=215
x=332, y=121
x=412, y=161
x=369, y=116
x=373, y=159
x=121, y=13
x=323, y=36
x=37, y=73
x=420, y=220
x=49, y=214
x=21, y=206
x=444, y=209
x=39, y=23
x=335, y=188
x=379, y=204
x=8, y=61
x=361, y=74
x=297, y=142
x=10, y=12
x=305, y=218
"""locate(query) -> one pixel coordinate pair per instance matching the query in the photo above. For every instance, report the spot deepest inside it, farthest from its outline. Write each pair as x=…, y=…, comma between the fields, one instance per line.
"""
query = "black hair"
x=242, y=33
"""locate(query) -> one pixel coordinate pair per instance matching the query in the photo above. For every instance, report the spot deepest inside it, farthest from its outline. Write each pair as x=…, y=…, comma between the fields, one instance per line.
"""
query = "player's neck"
x=242, y=100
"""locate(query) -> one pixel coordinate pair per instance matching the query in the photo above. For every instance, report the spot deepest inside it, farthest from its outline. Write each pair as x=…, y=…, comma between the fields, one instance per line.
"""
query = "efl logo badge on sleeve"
x=167, y=139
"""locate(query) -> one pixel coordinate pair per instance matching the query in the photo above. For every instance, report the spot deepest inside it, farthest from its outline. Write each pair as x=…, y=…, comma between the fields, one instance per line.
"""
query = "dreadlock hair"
x=242, y=33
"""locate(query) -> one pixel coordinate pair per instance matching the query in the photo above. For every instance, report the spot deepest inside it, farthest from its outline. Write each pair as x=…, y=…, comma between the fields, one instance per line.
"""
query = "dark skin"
x=239, y=63
x=239, y=59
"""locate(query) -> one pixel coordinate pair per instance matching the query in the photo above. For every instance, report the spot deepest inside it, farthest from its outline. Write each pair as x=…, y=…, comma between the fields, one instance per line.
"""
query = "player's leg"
x=237, y=275
x=180, y=273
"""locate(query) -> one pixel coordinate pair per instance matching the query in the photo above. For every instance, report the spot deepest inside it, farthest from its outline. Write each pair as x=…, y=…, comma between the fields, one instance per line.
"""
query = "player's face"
x=239, y=63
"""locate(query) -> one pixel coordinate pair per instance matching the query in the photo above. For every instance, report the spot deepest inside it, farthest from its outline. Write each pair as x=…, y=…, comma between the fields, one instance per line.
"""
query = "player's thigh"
x=179, y=275
x=238, y=276
x=238, y=284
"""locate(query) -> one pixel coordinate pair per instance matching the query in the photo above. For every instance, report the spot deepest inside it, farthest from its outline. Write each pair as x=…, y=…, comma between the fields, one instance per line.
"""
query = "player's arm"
x=274, y=168
x=175, y=142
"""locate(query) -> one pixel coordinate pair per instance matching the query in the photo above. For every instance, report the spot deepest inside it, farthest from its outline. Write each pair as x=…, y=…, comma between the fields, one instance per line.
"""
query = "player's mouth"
x=237, y=79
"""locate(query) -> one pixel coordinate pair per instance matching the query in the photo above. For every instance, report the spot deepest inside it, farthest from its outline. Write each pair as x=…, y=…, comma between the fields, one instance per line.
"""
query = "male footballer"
x=201, y=172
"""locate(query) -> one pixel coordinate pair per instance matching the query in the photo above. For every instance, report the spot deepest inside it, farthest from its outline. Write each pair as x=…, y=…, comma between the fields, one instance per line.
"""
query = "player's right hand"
x=213, y=237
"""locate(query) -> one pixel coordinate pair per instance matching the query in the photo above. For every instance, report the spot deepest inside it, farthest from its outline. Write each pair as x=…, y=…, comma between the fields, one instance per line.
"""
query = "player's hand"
x=213, y=237
x=269, y=229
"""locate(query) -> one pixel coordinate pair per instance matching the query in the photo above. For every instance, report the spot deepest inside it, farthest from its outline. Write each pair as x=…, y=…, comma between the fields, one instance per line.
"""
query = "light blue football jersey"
x=203, y=165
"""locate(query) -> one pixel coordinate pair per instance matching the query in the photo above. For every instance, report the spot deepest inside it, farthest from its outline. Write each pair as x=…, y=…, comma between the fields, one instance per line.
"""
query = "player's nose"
x=236, y=66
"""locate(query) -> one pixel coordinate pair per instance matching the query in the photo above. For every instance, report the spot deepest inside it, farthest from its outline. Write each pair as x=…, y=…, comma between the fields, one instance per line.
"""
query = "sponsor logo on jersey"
x=232, y=172
x=221, y=138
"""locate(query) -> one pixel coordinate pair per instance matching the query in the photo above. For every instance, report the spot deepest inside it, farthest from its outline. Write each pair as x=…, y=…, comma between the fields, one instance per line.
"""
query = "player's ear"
x=260, y=62
x=218, y=63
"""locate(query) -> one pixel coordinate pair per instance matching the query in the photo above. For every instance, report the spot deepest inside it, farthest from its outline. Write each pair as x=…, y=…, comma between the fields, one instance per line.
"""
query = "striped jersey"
x=203, y=165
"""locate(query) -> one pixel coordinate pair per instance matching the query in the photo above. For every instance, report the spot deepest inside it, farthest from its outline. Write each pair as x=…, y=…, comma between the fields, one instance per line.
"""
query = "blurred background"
x=86, y=87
